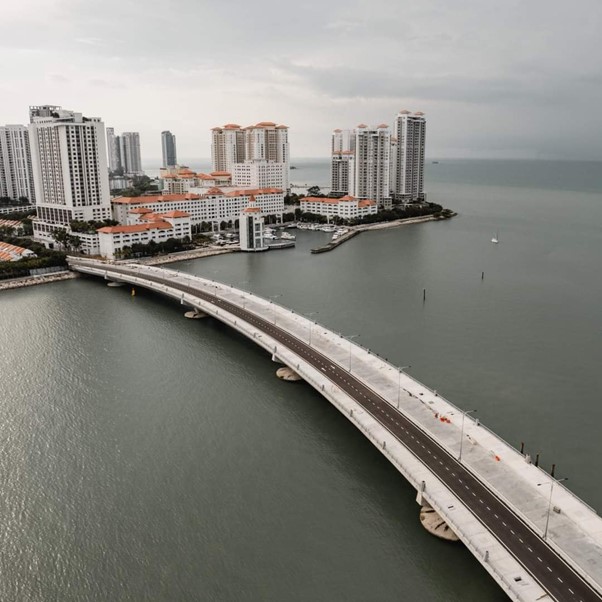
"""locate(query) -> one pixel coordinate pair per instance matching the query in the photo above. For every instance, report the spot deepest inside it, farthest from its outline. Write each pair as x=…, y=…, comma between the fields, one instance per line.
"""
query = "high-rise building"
x=227, y=147
x=129, y=146
x=168, y=148
x=69, y=161
x=264, y=141
x=408, y=181
x=113, y=151
x=372, y=164
x=342, y=170
x=16, y=173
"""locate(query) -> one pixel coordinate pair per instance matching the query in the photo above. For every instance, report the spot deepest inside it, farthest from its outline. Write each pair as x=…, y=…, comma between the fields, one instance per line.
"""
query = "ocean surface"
x=148, y=457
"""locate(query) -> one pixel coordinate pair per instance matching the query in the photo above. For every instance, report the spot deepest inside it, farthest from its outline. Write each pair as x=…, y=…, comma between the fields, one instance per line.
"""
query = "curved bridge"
x=537, y=542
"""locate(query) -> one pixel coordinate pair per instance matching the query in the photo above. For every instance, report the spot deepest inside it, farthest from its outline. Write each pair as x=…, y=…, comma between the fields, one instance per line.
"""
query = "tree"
x=61, y=237
x=313, y=191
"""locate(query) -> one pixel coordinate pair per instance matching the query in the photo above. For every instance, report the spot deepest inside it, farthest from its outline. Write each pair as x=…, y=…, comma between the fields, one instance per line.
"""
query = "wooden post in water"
x=482, y=275
x=423, y=295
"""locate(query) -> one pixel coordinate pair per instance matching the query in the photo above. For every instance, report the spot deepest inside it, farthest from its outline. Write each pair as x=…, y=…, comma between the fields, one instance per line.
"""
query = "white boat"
x=496, y=239
x=287, y=236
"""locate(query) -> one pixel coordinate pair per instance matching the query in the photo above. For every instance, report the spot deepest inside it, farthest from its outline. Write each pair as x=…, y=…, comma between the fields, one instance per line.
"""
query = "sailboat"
x=496, y=238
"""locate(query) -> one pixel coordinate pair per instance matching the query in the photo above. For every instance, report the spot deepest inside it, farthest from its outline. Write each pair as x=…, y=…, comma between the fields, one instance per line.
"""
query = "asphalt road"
x=554, y=575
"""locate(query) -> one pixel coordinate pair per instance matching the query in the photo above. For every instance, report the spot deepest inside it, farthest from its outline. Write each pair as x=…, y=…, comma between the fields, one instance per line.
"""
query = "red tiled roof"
x=159, y=225
x=144, y=200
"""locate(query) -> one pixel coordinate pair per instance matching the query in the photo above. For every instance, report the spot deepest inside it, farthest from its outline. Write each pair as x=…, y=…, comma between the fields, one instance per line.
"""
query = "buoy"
x=133, y=292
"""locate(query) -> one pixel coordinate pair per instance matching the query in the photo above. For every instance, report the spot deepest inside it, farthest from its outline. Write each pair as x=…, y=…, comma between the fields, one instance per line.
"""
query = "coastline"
x=69, y=275
x=355, y=230
x=6, y=285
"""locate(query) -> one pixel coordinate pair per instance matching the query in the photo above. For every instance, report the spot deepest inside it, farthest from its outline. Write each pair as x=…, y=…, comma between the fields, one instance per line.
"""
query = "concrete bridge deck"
x=492, y=497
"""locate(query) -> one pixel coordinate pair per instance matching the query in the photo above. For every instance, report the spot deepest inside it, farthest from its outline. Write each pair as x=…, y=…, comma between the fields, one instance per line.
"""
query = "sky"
x=496, y=78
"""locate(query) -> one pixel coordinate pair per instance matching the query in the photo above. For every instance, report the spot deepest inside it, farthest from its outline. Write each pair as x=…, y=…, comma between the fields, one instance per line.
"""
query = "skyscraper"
x=129, y=146
x=113, y=150
x=260, y=144
x=342, y=169
x=372, y=164
x=408, y=181
x=168, y=148
x=227, y=147
x=70, y=174
x=16, y=173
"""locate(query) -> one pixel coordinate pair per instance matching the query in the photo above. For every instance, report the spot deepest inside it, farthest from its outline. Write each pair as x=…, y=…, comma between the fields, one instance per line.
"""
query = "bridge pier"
x=287, y=374
x=435, y=525
x=195, y=314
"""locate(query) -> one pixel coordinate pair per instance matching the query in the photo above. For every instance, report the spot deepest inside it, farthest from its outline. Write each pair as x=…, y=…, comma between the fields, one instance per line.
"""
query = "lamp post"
x=462, y=432
x=311, y=323
x=551, y=484
x=401, y=369
x=272, y=297
x=350, y=338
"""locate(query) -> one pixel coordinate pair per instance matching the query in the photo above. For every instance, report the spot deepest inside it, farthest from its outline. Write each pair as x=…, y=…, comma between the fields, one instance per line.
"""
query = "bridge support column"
x=287, y=374
x=195, y=314
x=435, y=525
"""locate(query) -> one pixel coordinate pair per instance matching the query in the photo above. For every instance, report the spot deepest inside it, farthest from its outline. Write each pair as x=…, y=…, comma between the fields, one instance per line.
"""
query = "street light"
x=462, y=432
x=350, y=338
x=311, y=323
x=551, y=483
x=399, y=390
x=273, y=306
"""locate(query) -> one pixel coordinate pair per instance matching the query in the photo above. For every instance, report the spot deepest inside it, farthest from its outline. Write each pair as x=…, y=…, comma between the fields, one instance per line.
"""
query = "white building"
x=264, y=141
x=69, y=161
x=10, y=252
x=259, y=173
x=227, y=146
x=129, y=143
x=16, y=172
x=213, y=206
x=251, y=226
x=347, y=207
x=180, y=180
x=410, y=132
x=372, y=164
x=143, y=227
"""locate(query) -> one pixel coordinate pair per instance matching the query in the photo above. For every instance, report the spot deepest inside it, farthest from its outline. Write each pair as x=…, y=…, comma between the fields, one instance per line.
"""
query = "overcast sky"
x=496, y=78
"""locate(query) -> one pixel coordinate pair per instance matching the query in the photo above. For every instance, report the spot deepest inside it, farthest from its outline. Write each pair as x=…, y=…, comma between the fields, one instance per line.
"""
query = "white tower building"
x=69, y=161
x=372, y=164
x=342, y=167
x=227, y=147
x=264, y=142
x=251, y=228
x=16, y=173
x=130, y=153
x=408, y=181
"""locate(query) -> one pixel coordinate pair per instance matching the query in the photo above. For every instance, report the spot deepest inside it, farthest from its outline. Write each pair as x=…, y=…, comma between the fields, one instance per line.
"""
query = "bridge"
x=534, y=537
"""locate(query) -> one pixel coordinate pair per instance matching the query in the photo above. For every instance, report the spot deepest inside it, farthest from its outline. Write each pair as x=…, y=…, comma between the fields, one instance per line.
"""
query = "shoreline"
x=67, y=274
x=212, y=251
x=9, y=284
x=355, y=230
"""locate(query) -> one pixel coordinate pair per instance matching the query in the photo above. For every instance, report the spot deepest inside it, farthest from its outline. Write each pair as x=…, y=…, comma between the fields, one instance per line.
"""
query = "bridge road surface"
x=554, y=575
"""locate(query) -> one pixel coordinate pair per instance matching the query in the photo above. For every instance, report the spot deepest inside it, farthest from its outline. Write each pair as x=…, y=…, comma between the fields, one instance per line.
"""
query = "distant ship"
x=496, y=239
x=434, y=163
x=293, y=167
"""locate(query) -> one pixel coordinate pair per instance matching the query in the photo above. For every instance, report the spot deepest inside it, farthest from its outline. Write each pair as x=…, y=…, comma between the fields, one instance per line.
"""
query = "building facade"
x=129, y=147
x=168, y=149
x=251, y=228
x=16, y=172
x=142, y=227
x=347, y=207
x=69, y=162
x=263, y=142
x=113, y=150
x=372, y=164
x=259, y=173
x=408, y=181
x=213, y=206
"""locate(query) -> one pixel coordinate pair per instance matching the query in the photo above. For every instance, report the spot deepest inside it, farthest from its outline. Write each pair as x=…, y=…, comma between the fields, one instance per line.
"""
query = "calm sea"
x=147, y=457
